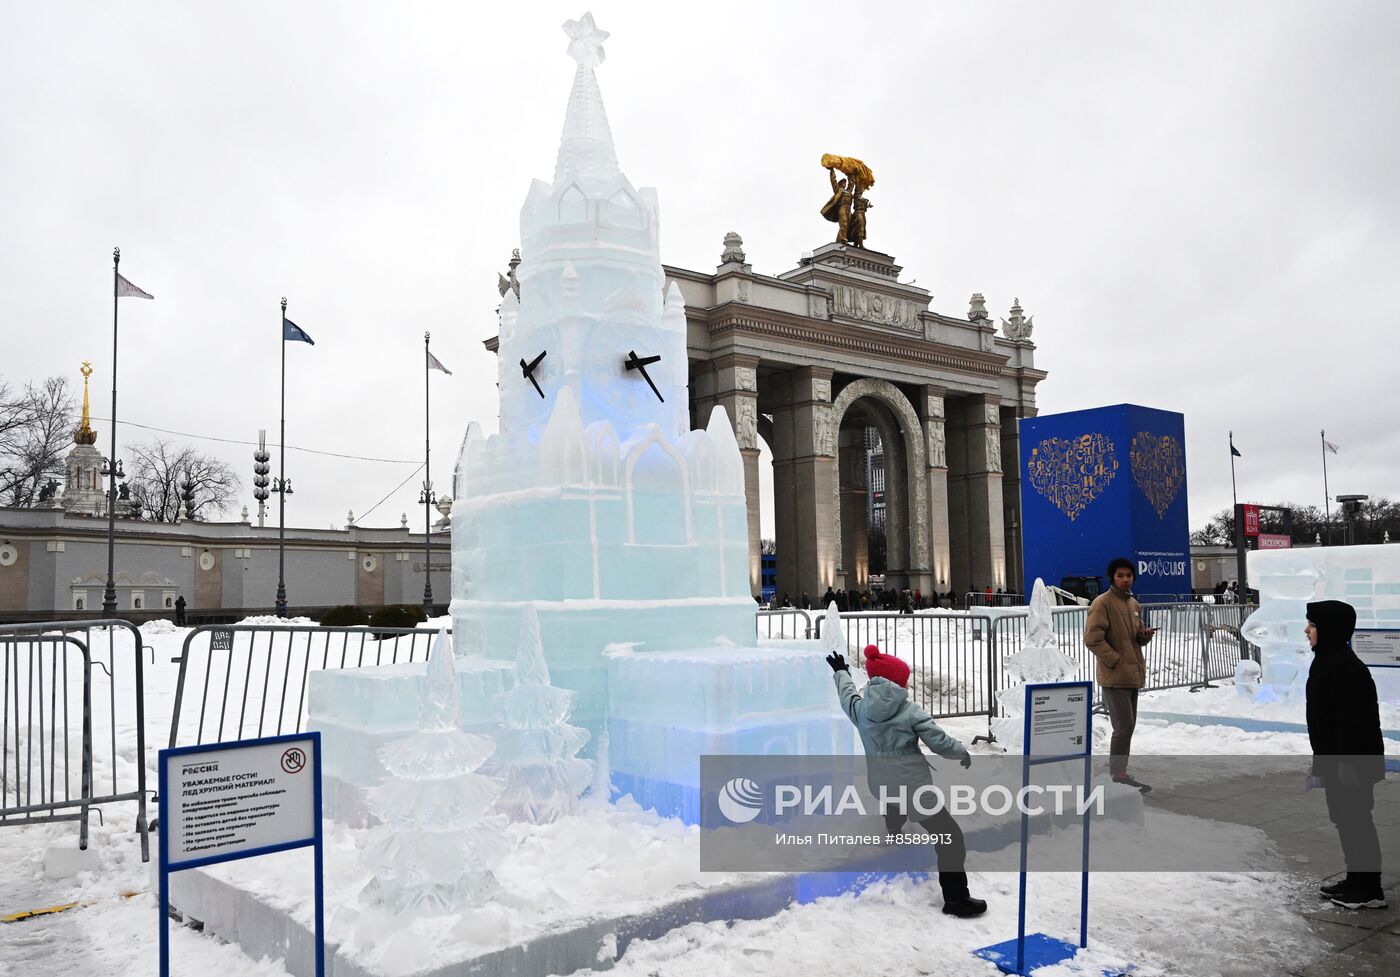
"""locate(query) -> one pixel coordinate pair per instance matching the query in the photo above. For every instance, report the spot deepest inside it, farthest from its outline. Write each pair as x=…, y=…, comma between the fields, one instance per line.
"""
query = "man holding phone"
x=1116, y=633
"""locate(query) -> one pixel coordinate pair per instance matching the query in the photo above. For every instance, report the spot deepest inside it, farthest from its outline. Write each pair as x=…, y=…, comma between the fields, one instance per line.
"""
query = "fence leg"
x=991, y=646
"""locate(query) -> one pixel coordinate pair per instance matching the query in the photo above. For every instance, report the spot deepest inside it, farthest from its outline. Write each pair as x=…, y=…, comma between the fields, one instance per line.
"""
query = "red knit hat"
x=885, y=666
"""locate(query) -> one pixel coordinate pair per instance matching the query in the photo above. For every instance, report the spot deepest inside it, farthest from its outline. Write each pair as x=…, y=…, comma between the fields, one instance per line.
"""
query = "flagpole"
x=282, y=470
x=1234, y=496
x=109, y=595
x=427, y=486
x=1326, y=495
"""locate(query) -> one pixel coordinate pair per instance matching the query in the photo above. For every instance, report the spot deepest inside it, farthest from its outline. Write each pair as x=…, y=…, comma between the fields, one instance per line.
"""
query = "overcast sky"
x=1196, y=201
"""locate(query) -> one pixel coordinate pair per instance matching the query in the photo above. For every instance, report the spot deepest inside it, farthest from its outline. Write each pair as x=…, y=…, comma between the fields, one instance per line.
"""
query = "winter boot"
x=1127, y=779
x=1330, y=889
x=965, y=907
x=1363, y=891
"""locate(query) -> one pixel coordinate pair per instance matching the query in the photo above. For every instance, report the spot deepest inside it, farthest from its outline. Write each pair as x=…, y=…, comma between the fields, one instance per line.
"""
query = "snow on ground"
x=896, y=927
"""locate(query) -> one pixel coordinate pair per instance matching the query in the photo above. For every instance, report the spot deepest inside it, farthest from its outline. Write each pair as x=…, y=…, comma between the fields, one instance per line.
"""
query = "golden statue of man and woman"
x=847, y=206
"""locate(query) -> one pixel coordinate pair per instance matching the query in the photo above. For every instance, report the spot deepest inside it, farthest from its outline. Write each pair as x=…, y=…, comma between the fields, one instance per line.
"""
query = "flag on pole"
x=1329, y=446
x=436, y=364
x=1235, y=451
x=292, y=331
x=127, y=290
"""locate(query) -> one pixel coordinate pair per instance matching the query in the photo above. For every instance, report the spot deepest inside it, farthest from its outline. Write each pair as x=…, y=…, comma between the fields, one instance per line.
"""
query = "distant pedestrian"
x=180, y=611
x=828, y=598
x=787, y=601
x=1115, y=633
x=806, y=601
x=1344, y=728
x=918, y=600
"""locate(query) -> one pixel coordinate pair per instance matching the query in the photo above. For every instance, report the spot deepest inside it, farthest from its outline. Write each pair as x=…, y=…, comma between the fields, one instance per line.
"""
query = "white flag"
x=1329, y=446
x=127, y=290
x=436, y=364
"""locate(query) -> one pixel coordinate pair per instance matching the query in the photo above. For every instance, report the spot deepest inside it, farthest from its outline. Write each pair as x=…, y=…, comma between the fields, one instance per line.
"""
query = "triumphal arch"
x=808, y=359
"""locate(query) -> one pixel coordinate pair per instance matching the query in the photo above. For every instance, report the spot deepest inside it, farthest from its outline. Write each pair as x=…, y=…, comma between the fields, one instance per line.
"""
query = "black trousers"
x=952, y=856
x=1350, y=810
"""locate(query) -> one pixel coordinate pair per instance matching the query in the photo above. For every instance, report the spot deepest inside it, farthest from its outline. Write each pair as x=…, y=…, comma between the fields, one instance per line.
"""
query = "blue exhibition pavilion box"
x=1102, y=483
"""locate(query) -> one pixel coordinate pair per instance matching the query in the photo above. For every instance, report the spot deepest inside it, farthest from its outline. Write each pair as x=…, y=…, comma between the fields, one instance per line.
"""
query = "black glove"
x=966, y=761
x=837, y=661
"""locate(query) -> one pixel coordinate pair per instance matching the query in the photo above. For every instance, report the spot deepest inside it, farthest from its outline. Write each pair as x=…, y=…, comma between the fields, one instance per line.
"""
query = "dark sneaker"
x=1128, y=780
x=1354, y=898
x=965, y=908
x=1331, y=889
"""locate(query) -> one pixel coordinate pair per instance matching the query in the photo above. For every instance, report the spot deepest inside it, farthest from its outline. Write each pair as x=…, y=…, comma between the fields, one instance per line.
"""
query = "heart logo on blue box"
x=1071, y=474
x=1159, y=468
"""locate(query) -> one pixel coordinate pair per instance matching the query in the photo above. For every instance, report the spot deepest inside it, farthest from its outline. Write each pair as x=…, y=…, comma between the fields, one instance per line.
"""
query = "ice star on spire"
x=585, y=41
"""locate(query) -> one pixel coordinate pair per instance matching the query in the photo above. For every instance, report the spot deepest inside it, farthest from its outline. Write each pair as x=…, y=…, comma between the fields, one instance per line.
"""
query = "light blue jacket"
x=889, y=724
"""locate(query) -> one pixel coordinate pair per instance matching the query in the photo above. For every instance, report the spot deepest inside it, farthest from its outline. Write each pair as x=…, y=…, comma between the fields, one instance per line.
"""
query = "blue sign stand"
x=1025, y=954
x=314, y=841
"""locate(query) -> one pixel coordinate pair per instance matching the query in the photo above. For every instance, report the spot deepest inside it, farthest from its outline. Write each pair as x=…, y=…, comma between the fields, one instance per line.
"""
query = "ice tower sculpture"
x=536, y=747
x=433, y=852
x=596, y=506
x=1039, y=660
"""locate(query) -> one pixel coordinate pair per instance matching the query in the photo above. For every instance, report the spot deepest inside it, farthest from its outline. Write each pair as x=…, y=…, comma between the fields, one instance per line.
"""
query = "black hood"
x=1335, y=621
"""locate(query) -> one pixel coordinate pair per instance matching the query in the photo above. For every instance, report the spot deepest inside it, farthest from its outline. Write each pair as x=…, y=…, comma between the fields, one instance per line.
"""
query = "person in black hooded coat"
x=1344, y=728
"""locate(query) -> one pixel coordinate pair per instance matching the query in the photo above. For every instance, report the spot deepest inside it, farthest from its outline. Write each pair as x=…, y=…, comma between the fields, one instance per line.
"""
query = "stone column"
x=855, y=510
x=933, y=415
x=1011, y=498
x=804, y=484
x=735, y=388
x=985, y=528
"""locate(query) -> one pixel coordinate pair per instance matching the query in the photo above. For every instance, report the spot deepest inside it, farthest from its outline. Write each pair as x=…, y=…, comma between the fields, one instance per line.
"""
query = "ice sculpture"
x=598, y=510
x=1039, y=660
x=536, y=747
x=596, y=503
x=1366, y=577
x=434, y=850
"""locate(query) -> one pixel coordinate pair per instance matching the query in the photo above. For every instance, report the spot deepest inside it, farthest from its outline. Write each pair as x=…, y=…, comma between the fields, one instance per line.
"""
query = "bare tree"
x=160, y=472
x=36, y=431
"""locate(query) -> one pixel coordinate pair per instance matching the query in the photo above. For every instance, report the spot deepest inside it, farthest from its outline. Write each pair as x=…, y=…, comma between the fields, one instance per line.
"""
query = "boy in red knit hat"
x=891, y=728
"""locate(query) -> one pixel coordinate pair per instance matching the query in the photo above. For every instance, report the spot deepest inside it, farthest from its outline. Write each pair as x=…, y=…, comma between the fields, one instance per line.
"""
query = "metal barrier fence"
x=243, y=681
x=959, y=660
x=949, y=654
x=789, y=622
x=58, y=721
x=976, y=599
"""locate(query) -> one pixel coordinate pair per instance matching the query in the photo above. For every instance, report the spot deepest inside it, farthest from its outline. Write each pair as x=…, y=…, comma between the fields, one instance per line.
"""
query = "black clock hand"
x=633, y=362
x=527, y=370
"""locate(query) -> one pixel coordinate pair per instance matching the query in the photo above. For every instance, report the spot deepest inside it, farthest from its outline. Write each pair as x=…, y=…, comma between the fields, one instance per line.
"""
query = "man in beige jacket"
x=1115, y=633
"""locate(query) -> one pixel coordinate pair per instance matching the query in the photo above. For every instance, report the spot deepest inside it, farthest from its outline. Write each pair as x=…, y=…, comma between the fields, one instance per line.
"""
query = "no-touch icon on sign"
x=293, y=760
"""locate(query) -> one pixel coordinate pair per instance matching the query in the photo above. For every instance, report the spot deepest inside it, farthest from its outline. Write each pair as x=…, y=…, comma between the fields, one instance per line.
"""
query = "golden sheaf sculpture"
x=1071, y=474
x=847, y=205
x=1159, y=468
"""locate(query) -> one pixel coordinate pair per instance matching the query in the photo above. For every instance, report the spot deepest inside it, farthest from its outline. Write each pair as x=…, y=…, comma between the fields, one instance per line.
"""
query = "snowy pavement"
x=1238, y=923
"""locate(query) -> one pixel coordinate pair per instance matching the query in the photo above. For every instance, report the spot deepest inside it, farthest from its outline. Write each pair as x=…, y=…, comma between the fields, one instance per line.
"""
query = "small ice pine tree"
x=536, y=747
x=434, y=851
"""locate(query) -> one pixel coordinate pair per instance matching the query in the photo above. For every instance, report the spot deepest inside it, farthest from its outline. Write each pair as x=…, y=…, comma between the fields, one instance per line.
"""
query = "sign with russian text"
x=224, y=801
x=1057, y=719
x=231, y=800
x=1376, y=646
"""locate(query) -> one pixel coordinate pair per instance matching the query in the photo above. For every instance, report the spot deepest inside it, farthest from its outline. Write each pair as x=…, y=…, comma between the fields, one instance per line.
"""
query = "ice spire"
x=586, y=149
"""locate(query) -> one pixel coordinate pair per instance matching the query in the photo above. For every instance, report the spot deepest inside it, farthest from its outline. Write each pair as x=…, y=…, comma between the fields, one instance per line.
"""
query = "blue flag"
x=292, y=331
x=1233, y=450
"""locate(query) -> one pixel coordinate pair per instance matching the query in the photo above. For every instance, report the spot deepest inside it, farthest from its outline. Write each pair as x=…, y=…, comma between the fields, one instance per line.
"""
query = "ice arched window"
x=624, y=211
x=658, y=495
x=573, y=206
